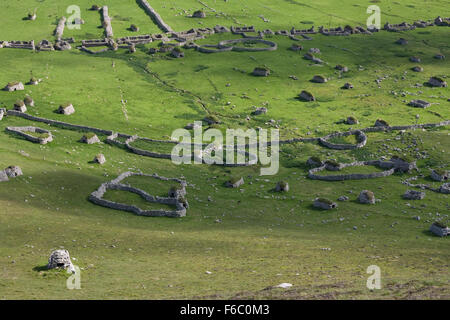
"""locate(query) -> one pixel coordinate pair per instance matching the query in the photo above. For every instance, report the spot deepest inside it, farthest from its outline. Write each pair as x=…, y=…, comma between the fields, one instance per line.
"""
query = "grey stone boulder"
x=261, y=72
x=341, y=68
x=100, y=159
x=14, y=86
x=351, y=120
x=347, y=86
x=20, y=106
x=414, y=195
x=90, y=138
x=414, y=59
x=2, y=113
x=332, y=165
x=419, y=103
x=402, y=164
x=439, y=229
x=366, y=197
x=314, y=162
x=439, y=175
x=260, y=110
x=178, y=191
x=402, y=41
x=319, y=79
x=417, y=69
x=437, y=82
x=343, y=198
x=66, y=109
x=60, y=259
x=324, y=204
x=282, y=186
x=381, y=123
x=445, y=188
x=13, y=171
x=234, y=182
x=199, y=14
x=306, y=96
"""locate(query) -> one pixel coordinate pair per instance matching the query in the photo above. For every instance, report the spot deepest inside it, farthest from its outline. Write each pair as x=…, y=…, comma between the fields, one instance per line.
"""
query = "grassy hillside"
x=248, y=238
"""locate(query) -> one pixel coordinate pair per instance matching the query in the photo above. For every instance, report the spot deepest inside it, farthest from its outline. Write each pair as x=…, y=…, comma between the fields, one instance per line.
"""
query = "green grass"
x=264, y=238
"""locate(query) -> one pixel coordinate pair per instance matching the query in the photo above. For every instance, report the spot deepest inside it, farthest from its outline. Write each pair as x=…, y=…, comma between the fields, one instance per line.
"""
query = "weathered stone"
x=20, y=106
x=296, y=47
x=343, y=198
x=100, y=159
x=282, y=186
x=66, y=109
x=234, y=183
x=261, y=72
x=445, y=188
x=260, y=110
x=439, y=229
x=366, y=197
x=437, y=82
x=319, y=79
x=306, y=96
x=414, y=59
x=177, y=53
x=414, y=195
x=325, y=204
x=439, y=56
x=417, y=69
x=347, y=85
x=402, y=41
x=341, y=68
x=199, y=14
x=314, y=162
x=60, y=259
x=134, y=28
x=381, y=123
x=439, y=175
x=28, y=101
x=13, y=171
x=419, y=103
x=351, y=120
x=14, y=86
x=90, y=139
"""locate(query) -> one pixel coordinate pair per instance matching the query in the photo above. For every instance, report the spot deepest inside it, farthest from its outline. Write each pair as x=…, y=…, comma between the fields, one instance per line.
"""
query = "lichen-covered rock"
x=417, y=69
x=314, y=162
x=347, y=86
x=260, y=110
x=296, y=47
x=13, y=171
x=177, y=191
x=14, y=86
x=234, y=182
x=325, y=204
x=439, y=229
x=366, y=197
x=445, y=188
x=19, y=105
x=414, y=195
x=319, y=79
x=437, y=82
x=199, y=14
x=403, y=164
x=381, y=123
x=351, y=120
x=332, y=165
x=60, y=259
x=177, y=53
x=439, y=175
x=282, y=186
x=341, y=68
x=306, y=96
x=66, y=109
x=402, y=41
x=100, y=159
x=90, y=138
x=261, y=72
x=419, y=103
x=134, y=28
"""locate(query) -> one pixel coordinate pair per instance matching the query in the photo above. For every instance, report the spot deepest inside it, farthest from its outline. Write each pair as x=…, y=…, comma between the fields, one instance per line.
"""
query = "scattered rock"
x=282, y=186
x=414, y=195
x=14, y=86
x=306, y=96
x=60, y=259
x=366, y=197
x=100, y=159
x=66, y=109
x=324, y=204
